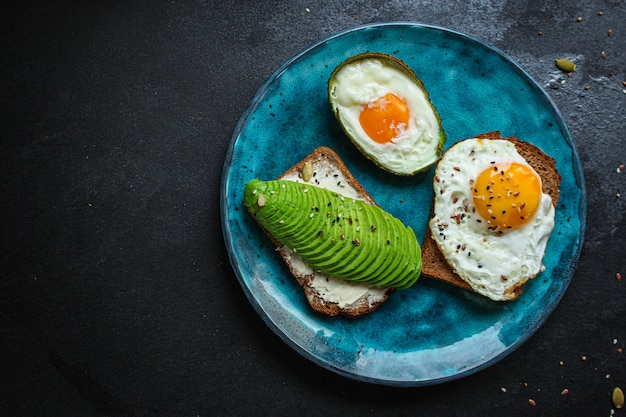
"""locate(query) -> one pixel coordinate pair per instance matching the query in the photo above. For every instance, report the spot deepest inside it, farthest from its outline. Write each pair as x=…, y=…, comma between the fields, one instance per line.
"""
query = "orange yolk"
x=507, y=195
x=384, y=118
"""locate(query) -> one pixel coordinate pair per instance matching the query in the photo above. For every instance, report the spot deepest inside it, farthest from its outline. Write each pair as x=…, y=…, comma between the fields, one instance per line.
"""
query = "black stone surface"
x=117, y=297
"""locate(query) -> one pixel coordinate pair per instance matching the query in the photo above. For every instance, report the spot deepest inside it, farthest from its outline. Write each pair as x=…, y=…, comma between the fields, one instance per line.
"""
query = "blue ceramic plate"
x=431, y=332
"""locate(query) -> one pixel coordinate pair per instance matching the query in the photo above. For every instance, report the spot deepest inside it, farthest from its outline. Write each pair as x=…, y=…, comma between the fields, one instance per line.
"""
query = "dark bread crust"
x=325, y=155
x=434, y=264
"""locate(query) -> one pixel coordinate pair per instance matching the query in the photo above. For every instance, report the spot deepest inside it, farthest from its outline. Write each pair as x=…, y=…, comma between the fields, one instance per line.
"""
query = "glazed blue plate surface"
x=431, y=332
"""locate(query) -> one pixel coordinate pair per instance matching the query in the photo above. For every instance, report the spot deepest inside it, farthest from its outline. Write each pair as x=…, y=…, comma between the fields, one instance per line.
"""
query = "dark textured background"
x=117, y=297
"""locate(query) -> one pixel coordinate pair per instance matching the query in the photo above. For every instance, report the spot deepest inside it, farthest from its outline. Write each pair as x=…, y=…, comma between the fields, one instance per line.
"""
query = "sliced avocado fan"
x=336, y=235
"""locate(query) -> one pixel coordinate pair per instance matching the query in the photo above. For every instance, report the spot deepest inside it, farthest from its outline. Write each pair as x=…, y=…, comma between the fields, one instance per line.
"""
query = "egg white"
x=366, y=81
x=492, y=263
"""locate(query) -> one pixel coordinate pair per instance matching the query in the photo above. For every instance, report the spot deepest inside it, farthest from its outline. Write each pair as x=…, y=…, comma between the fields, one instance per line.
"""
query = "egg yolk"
x=384, y=118
x=507, y=195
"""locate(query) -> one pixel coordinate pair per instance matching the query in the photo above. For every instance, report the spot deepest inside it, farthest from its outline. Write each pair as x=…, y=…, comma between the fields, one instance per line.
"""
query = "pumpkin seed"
x=565, y=64
x=618, y=397
x=307, y=171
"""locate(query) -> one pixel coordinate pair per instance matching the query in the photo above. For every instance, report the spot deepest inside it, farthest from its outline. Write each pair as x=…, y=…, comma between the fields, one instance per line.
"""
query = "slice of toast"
x=434, y=264
x=330, y=295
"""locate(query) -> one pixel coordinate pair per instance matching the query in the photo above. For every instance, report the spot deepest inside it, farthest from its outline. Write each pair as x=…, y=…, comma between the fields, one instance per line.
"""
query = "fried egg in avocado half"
x=385, y=111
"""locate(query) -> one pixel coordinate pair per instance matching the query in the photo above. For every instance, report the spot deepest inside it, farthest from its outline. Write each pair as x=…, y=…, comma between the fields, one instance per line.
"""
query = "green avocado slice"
x=333, y=233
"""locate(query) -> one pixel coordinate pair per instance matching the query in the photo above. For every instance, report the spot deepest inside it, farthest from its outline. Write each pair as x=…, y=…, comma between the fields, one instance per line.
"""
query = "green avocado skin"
x=336, y=235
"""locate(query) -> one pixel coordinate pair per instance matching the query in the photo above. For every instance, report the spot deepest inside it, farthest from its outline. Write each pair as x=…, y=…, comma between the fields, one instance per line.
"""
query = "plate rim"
x=548, y=309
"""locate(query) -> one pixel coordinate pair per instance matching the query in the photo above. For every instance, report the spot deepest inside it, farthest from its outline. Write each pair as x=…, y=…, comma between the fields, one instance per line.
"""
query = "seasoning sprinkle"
x=307, y=171
x=618, y=397
x=565, y=65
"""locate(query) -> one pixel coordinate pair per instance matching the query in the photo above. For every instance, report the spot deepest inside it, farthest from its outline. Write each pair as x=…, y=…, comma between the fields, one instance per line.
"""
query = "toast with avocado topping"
x=343, y=249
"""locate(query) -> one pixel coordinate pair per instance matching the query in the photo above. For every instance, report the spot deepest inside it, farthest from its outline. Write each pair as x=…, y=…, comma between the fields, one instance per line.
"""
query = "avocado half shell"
x=438, y=139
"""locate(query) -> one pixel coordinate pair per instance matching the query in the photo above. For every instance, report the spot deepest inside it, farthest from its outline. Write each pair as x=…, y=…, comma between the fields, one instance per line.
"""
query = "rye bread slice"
x=434, y=264
x=328, y=168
